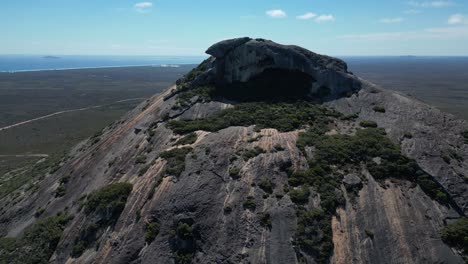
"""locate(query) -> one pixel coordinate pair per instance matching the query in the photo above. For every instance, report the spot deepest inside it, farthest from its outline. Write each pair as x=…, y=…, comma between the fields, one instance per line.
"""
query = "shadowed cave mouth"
x=270, y=85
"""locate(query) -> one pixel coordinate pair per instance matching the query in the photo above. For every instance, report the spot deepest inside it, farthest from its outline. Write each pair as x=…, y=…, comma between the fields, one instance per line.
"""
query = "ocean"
x=15, y=63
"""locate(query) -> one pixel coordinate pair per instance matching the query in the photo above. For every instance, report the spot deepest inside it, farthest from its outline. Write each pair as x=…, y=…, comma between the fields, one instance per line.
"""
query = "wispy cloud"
x=325, y=18
x=431, y=3
x=391, y=20
x=276, y=13
x=458, y=19
x=143, y=7
x=307, y=16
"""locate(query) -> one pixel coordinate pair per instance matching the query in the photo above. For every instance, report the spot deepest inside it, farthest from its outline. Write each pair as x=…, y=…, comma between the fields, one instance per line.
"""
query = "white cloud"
x=412, y=12
x=325, y=18
x=458, y=19
x=391, y=20
x=277, y=13
x=307, y=16
x=431, y=3
x=143, y=7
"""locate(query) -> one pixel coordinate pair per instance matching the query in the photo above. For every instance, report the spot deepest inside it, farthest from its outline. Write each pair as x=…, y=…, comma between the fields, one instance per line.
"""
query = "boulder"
x=269, y=64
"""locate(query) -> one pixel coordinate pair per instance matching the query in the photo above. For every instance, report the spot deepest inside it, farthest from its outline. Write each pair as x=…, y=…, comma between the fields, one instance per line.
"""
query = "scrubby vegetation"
x=252, y=153
x=266, y=185
x=175, y=160
x=109, y=201
x=37, y=244
x=456, y=235
x=143, y=170
x=188, y=139
x=184, y=99
x=282, y=116
x=367, y=123
x=140, y=159
x=249, y=203
x=104, y=206
x=234, y=172
x=151, y=231
x=265, y=220
x=379, y=109
x=350, y=117
x=314, y=234
x=346, y=151
x=465, y=136
x=183, y=242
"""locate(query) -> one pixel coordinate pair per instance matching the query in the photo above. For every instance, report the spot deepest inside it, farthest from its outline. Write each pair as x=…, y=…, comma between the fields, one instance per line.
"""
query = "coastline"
x=103, y=67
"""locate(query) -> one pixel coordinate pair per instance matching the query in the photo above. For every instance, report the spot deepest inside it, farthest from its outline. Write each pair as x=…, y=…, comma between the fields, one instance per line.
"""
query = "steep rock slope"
x=235, y=165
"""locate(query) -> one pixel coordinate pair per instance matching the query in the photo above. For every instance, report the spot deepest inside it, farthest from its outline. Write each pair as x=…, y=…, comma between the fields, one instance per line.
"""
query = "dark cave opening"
x=270, y=85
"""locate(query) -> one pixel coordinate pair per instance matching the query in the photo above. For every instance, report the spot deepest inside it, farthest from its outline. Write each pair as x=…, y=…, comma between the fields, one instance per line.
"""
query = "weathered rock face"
x=265, y=67
x=204, y=210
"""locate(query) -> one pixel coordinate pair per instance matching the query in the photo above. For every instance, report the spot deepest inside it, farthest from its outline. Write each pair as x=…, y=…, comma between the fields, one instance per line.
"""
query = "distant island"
x=51, y=57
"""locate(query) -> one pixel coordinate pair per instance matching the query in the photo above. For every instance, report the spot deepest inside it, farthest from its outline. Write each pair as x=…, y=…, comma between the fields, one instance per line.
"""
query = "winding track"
x=64, y=112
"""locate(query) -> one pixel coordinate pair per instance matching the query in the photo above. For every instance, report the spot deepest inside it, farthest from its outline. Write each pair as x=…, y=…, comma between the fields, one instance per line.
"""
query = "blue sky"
x=188, y=27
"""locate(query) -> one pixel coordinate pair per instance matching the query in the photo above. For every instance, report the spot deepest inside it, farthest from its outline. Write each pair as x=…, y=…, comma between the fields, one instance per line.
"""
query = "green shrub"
x=379, y=109
x=152, y=230
x=109, y=201
x=227, y=209
x=367, y=123
x=314, y=234
x=455, y=234
x=300, y=195
x=234, y=172
x=408, y=135
x=282, y=116
x=350, y=117
x=60, y=191
x=465, y=136
x=37, y=244
x=249, y=203
x=184, y=231
x=188, y=139
x=266, y=185
x=175, y=160
x=252, y=153
x=141, y=159
x=143, y=170
x=265, y=220
x=39, y=212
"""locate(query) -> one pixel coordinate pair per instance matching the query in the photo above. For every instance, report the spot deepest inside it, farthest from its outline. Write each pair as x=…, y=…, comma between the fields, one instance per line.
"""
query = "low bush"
x=350, y=117
x=143, y=170
x=266, y=185
x=379, y=109
x=465, y=136
x=249, y=203
x=188, y=139
x=455, y=234
x=108, y=201
x=314, y=234
x=282, y=116
x=300, y=195
x=141, y=159
x=252, y=153
x=151, y=231
x=175, y=160
x=367, y=123
x=265, y=220
x=37, y=244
